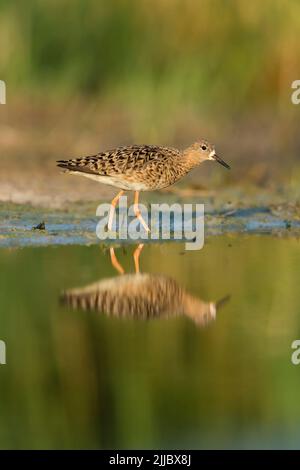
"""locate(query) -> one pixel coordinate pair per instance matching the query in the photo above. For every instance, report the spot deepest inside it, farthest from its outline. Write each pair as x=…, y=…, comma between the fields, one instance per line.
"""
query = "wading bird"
x=140, y=168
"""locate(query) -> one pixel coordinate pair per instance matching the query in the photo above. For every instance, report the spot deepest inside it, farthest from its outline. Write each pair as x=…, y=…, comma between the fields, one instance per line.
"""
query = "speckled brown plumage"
x=155, y=167
x=151, y=166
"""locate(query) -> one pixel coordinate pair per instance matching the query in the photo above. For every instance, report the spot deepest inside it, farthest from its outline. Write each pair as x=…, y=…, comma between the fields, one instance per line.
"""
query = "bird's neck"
x=190, y=158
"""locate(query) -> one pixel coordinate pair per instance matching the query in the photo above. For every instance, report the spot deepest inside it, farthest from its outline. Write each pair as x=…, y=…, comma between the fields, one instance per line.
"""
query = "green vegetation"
x=101, y=73
x=190, y=53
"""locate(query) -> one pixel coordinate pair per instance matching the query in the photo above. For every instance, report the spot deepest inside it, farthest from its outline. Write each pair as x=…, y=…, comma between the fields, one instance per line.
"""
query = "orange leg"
x=137, y=211
x=115, y=262
x=114, y=202
x=136, y=256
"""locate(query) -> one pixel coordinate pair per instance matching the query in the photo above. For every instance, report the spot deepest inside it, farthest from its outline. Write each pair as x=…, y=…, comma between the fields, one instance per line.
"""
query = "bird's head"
x=201, y=151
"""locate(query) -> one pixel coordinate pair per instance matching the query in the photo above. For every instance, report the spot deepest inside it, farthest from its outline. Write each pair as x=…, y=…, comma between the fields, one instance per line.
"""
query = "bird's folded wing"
x=122, y=160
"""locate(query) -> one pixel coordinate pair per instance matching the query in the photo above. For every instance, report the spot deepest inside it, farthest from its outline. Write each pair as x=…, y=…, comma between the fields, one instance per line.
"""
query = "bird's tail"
x=63, y=164
x=76, y=165
x=66, y=165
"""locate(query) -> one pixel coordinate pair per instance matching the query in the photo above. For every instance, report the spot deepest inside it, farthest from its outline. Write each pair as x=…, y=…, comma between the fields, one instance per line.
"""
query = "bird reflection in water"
x=140, y=296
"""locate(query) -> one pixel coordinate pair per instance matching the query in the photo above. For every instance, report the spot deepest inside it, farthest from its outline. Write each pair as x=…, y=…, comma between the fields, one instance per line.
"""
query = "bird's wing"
x=122, y=160
x=100, y=164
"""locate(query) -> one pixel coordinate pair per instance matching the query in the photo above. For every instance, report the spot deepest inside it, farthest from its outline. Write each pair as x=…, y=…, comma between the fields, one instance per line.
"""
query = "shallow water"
x=164, y=366
x=79, y=227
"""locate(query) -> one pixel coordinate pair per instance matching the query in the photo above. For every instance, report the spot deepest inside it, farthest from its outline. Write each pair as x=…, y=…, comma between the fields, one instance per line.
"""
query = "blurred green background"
x=207, y=55
x=86, y=75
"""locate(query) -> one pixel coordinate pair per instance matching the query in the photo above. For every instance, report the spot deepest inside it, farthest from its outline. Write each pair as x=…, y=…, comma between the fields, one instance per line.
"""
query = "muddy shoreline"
x=237, y=214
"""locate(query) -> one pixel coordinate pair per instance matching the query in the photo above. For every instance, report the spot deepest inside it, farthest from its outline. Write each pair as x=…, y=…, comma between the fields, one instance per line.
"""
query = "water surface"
x=151, y=360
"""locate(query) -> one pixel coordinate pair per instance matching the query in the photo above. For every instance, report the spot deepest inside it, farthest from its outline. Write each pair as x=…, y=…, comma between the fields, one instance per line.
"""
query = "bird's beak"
x=219, y=160
x=222, y=301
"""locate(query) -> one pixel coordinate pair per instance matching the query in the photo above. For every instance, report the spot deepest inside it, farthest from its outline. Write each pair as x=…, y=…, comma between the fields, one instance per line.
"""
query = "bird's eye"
x=203, y=147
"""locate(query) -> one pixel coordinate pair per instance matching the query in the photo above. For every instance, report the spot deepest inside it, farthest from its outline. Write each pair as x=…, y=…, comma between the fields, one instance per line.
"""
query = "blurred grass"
x=88, y=75
x=197, y=53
